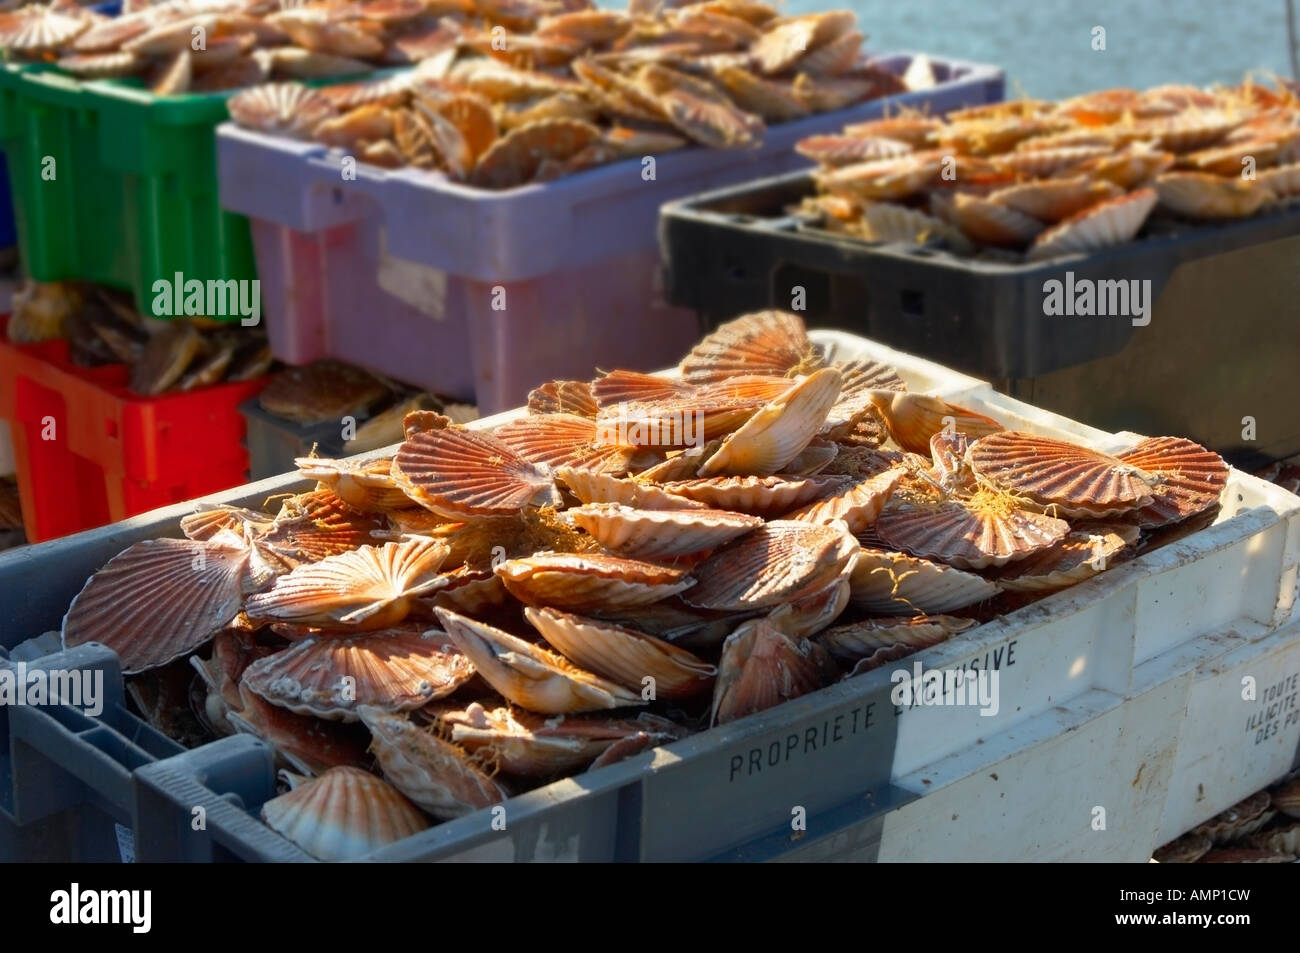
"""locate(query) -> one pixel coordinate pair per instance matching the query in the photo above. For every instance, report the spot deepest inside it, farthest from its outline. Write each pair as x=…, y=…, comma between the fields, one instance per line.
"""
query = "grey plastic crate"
x=274, y=443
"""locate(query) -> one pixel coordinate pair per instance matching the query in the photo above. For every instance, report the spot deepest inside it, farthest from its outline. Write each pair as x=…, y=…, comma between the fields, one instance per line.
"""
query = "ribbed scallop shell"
x=589, y=581
x=1185, y=850
x=435, y=774
x=563, y=397
x=344, y=814
x=158, y=599
x=211, y=519
x=837, y=150
x=621, y=387
x=1284, y=181
x=984, y=220
x=1073, y=479
x=771, y=343
x=514, y=158
x=857, y=504
x=777, y=433
x=1244, y=855
x=592, y=487
x=368, y=588
x=1244, y=817
x=331, y=677
x=1191, y=479
x=772, y=565
x=563, y=440
x=1104, y=225
x=874, y=642
x=784, y=44
x=315, y=525
x=819, y=454
x=761, y=667
x=366, y=486
x=385, y=91
x=1130, y=167
x=1041, y=163
x=36, y=28
x=811, y=613
x=1082, y=554
x=530, y=675
x=888, y=222
x=287, y=109
x=1194, y=129
x=458, y=473
x=100, y=65
x=1281, y=840
x=660, y=534
x=1051, y=200
x=624, y=655
x=674, y=423
x=306, y=744
x=1286, y=797
x=472, y=592
x=966, y=536
x=914, y=418
x=760, y=496
x=1203, y=196
x=895, y=583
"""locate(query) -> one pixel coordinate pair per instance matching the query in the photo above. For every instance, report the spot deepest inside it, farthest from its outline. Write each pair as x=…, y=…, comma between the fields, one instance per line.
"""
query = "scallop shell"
x=592, y=487
x=884, y=179
x=771, y=343
x=914, y=130
x=1286, y=798
x=36, y=28
x=514, y=158
x=529, y=675
x=624, y=655
x=1082, y=554
x=1051, y=200
x=838, y=150
x=660, y=534
x=1104, y=225
x=107, y=36
x=781, y=561
x=969, y=534
x=287, y=109
x=715, y=124
x=308, y=745
x=1075, y=480
x=759, y=496
x=775, y=435
x=210, y=519
x=331, y=677
x=564, y=440
x=588, y=581
x=872, y=643
x=433, y=773
x=782, y=45
x=761, y=667
x=894, y=583
x=812, y=459
x=887, y=222
x=1203, y=196
x=984, y=220
x=1191, y=479
x=366, y=486
x=158, y=600
x=100, y=65
x=563, y=397
x=914, y=418
x=1282, y=840
x=1187, y=849
x=623, y=387
x=1190, y=130
x=675, y=423
x=1244, y=855
x=857, y=504
x=1284, y=181
x=457, y=473
x=1237, y=821
x=343, y=814
x=811, y=613
x=315, y=525
x=771, y=100
x=368, y=588
x=298, y=63
x=1130, y=167
x=1041, y=163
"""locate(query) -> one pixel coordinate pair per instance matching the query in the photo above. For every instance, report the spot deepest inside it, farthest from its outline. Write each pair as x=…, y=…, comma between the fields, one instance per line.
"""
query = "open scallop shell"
x=984, y=220
x=158, y=600
x=772, y=343
x=563, y=397
x=623, y=387
x=435, y=774
x=857, y=504
x=761, y=667
x=368, y=588
x=211, y=519
x=367, y=486
x=914, y=418
x=895, y=583
x=1112, y=222
x=563, y=440
x=1073, y=479
x=1191, y=479
x=760, y=496
x=313, y=526
x=838, y=150
x=457, y=473
x=874, y=642
x=37, y=28
x=660, y=534
x=592, y=487
x=532, y=676
x=986, y=530
x=1041, y=163
x=1051, y=200
x=331, y=677
x=772, y=565
x=515, y=158
x=1201, y=195
x=589, y=581
x=1244, y=817
x=889, y=222
x=624, y=655
x=306, y=744
x=286, y=109
x=1082, y=554
x=343, y=814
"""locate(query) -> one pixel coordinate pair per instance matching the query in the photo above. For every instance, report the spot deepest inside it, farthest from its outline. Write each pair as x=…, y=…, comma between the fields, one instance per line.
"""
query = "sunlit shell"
x=1133, y=166
x=872, y=643
x=624, y=655
x=783, y=45
x=1189, y=131
x=833, y=58
x=107, y=36
x=472, y=592
x=888, y=222
x=984, y=220
x=100, y=65
x=777, y=433
x=591, y=487
x=1108, y=223
x=311, y=527
x=1074, y=480
x=987, y=530
x=814, y=458
x=35, y=28
x=590, y=580
x=368, y=588
x=857, y=504
x=676, y=423
x=894, y=583
x=563, y=440
x=759, y=496
x=912, y=129
x=1232, y=159
x=514, y=159
x=1082, y=554
x=1040, y=163
x=761, y=667
x=626, y=142
x=457, y=472
x=811, y=613
x=532, y=676
x=883, y=179
x=210, y=519
x=1191, y=479
x=914, y=418
x=290, y=109
x=158, y=600
x=1185, y=850
x=771, y=343
x=366, y=486
x=1284, y=181
x=298, y=63
x=1051, y=200
x=660, y=534
x=563, y=397
x=330, y=677
x=1201, y=195
x=772, y=565
x=838, y=150
x=1241, y=819
x=711, y=123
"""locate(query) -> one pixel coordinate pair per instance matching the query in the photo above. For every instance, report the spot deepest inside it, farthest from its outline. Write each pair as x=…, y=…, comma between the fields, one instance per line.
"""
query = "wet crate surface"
x=1207, y=359
x=479, y=295
x=1093, y=681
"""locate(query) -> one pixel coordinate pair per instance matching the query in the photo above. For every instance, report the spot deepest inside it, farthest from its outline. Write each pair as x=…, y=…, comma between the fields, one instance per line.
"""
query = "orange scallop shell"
x=367, y=485
x=1108, y=223
x=771, y=343
x=872, y=643
x=857, y=504
x=984, y=220
x=457, y=473
x=623, y=387
x=966, y=535
x=1082, y=554
x=914, y=418
x=761, y=667
x=895, y=583
x=766, y=496
x=660, y=534
x=563, y=397
x=287, y=109
x=590, y=580
x=1203, y=196
x=1051, y=200
x=592, y=487
x=563, y=440
x=1191, y=479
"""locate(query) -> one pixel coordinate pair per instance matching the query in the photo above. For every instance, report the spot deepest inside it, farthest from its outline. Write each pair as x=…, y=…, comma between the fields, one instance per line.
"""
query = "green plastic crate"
x=133, y=197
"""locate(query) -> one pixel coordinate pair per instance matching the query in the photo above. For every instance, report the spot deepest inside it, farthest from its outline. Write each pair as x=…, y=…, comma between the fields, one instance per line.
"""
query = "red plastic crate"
x=114, y=453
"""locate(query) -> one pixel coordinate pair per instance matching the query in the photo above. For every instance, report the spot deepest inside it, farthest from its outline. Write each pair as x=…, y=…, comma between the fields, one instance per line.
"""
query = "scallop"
x=660, y=534
x=590, y=580
x=872, y=643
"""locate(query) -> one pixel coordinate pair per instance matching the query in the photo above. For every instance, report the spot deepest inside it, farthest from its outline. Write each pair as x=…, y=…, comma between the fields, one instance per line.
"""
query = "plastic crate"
x=113, y=454
x=273, y=443
x=476, y=294
x=1094, y=681
x=1208, y=357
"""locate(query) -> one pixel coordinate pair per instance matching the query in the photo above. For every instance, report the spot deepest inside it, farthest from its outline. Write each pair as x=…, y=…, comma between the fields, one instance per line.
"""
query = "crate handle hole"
x=912, y=303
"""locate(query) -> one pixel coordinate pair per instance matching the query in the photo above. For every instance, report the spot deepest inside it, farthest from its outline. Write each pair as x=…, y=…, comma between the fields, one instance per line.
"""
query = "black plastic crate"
x=274, y=443
x=1222, y=342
